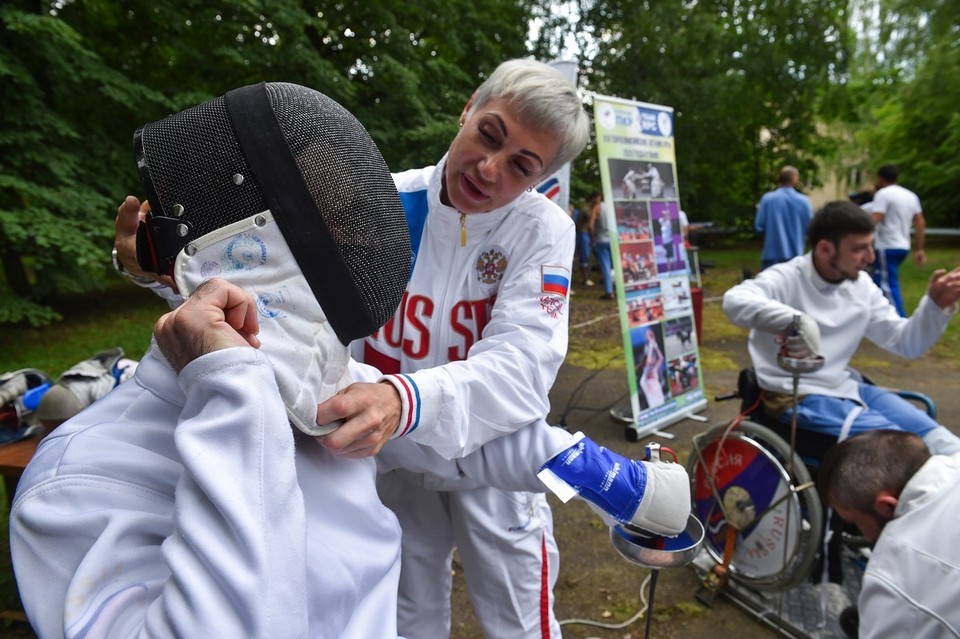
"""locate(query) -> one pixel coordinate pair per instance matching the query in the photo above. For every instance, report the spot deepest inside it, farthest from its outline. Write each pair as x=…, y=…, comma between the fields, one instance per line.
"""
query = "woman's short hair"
x=543, y=98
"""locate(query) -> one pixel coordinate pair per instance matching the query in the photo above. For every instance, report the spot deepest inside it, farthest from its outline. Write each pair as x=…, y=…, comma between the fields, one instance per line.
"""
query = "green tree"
x=742, y=77
x=57, y=161
x=910, y=117
x=79, y=77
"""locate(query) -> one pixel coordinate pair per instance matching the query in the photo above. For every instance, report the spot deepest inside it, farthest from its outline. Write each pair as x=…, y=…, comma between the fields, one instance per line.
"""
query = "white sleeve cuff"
x=948, y=312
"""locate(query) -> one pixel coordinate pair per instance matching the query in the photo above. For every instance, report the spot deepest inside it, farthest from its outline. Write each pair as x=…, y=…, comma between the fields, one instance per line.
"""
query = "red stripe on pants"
x=544, y=589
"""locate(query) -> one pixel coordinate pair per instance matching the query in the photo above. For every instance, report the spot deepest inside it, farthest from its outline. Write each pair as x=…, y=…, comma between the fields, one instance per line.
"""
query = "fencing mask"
x=280, y=190
x=297, y=153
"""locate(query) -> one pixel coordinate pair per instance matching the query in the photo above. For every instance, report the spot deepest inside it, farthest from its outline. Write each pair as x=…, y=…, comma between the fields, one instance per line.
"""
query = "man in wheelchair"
x=838, y=304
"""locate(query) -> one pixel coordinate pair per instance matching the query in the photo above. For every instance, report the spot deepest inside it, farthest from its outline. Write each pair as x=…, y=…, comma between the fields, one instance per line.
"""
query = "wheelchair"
x=752, y=482
x=756, y=498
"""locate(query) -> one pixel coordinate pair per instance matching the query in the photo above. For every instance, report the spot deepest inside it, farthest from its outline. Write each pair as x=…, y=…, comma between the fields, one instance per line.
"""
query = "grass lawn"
x=123, y=315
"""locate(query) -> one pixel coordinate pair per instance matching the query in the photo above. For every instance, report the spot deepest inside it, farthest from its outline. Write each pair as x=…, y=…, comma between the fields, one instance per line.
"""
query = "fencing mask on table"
x=280, y=190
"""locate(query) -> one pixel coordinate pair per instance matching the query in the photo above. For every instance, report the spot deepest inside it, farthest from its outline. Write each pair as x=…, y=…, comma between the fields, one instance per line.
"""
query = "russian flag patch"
x=554, y=279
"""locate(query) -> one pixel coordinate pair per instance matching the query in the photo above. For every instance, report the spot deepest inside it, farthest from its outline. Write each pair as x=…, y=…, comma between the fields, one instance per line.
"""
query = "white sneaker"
x=589, y=282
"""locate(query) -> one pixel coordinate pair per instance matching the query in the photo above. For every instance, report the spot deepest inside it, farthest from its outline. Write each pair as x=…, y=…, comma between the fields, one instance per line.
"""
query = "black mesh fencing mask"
x=294, y=151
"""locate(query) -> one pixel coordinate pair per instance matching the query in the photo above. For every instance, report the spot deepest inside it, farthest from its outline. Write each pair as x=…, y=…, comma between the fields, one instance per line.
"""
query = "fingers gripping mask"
x=308, y=359
x=280, y=174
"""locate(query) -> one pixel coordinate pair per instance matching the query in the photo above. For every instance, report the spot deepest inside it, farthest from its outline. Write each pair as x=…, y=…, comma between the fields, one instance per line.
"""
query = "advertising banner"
x=635, y=144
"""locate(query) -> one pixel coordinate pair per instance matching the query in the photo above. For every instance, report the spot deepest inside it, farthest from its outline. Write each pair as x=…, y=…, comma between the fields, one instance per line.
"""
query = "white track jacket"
x=910, y=584
x=502, y=276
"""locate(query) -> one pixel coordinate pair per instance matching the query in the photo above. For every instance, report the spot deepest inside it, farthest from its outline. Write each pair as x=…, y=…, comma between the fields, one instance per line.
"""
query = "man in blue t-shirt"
x=782, y=217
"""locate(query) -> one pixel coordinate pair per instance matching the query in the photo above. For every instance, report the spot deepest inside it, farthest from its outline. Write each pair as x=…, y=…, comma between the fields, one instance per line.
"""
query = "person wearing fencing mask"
x=823, y=304
x=183, y=504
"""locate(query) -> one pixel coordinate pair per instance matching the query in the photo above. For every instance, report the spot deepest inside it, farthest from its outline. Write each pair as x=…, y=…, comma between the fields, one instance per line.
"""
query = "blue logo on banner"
x=653, y=122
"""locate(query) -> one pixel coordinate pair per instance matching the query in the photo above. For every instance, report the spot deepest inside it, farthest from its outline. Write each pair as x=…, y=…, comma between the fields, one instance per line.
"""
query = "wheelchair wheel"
x=742, y=480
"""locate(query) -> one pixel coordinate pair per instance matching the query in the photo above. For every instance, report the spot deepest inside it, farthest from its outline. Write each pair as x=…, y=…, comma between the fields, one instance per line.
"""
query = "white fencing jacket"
x=187, y=506
x=910, y=587
x=846, y=313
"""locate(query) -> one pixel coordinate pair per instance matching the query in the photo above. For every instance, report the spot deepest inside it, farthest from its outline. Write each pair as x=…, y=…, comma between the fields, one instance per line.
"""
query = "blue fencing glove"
x=653, y=496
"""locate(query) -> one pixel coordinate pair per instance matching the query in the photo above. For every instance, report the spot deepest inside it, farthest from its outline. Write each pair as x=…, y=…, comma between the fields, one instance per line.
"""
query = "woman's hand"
x=371, y=415
x=129, y=215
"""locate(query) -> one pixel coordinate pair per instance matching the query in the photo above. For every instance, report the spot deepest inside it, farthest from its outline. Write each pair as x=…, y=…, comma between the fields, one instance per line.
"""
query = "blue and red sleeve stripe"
x=410, y=395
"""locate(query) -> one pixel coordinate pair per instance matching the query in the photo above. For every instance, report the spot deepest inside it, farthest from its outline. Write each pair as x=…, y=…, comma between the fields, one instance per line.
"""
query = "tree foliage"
x=755, y=84
x=79, y=77
x=911, y=117
x=743, y=79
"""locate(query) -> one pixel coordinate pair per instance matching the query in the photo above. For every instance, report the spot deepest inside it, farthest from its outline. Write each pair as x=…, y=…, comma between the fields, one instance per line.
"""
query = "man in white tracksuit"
x=838, y=305
x=906, y=502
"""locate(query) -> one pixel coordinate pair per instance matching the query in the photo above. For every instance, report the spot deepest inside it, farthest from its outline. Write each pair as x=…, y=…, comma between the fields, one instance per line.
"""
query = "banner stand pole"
x=624, y=413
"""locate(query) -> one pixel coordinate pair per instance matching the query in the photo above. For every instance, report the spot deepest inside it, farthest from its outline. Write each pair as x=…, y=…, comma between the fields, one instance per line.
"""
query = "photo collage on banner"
x=635, y=144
